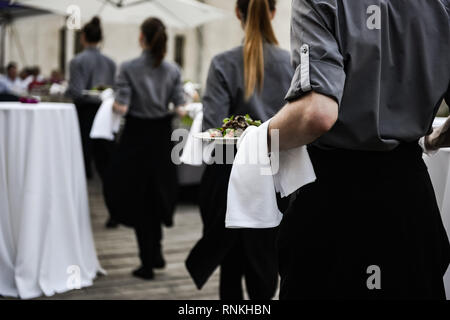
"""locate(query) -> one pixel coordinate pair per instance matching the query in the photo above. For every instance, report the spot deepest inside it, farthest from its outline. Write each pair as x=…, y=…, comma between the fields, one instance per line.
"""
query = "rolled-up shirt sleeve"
x=216, y=100
x=123, y=86
x=318, y=62
x=177, y=96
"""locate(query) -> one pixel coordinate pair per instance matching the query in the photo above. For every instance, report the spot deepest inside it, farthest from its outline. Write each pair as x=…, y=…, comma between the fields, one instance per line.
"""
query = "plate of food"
x=96, y=91
x=231, y=130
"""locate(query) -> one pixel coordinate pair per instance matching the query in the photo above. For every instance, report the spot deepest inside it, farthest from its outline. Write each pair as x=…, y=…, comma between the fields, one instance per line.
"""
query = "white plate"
x=439, y=121
x=205, y=136
x=92, y=93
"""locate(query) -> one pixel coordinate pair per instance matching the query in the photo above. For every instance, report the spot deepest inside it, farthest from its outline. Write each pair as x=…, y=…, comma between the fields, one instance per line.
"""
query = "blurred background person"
x=141, y=185
x=250, y=79
x=10, y=83
x=56, y=77
x=88, y=70
x=26, y=77
x=37, y=79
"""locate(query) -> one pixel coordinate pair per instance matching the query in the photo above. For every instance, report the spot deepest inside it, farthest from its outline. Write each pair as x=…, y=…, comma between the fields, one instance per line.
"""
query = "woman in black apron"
x=251, y=79
x=142, y=184
x=88, y=70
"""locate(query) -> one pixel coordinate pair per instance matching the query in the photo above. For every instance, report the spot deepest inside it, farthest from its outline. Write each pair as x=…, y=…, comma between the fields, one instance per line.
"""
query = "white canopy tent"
x=174, y=13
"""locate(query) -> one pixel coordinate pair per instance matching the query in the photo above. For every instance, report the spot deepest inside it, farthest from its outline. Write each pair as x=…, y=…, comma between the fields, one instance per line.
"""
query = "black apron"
x=142, y=179
x=257, y=245
x=366, y=209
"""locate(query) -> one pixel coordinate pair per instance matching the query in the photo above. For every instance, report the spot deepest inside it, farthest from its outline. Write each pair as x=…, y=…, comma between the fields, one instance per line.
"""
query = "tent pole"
x=200, y=48
x=2, y=44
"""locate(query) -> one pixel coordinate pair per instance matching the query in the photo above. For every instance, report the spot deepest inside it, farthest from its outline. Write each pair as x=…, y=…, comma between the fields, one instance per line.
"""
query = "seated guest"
x=26, y=77
x=56, y=77
x=38, y=80
x=11, y=83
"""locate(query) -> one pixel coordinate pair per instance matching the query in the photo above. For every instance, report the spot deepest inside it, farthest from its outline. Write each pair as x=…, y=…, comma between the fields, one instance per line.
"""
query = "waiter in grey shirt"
x=142, y=182
x=233, y=88
x=222, y=101
x=370, y=77
x=88, y=70
x=147, y=90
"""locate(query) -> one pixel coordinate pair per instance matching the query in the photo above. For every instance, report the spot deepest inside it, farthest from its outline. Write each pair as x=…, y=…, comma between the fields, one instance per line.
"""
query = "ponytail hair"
x=258, y=29
x=155, y=35
x=93, y=31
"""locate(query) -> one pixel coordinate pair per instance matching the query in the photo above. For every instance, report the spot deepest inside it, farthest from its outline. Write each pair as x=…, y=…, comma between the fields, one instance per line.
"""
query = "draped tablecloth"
x=46, y=242
x=439, y=169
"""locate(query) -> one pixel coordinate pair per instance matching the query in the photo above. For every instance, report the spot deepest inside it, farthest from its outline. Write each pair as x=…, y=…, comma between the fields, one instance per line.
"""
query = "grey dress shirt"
x=386, y=62
x=148, y=90
x=90, y=69
x=225, y=87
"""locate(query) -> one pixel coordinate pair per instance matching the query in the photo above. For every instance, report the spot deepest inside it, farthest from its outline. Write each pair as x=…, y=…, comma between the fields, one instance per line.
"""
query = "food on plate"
x=234, y=127
x=100, y=88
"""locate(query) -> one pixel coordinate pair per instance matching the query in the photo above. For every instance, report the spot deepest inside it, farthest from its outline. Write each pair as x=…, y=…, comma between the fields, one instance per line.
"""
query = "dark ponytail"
x=155, y=35
x=93, y=31
x=258, y=28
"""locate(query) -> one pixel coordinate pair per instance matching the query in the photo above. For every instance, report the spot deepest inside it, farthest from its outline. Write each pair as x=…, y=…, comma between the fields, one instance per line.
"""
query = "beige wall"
x=34, y=41
x=39, y=38
x=227, y=33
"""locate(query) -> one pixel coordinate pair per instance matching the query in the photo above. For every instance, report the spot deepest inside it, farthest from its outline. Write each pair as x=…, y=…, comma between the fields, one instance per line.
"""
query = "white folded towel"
x=255, y=179
x=106, y=121
x=192, y=151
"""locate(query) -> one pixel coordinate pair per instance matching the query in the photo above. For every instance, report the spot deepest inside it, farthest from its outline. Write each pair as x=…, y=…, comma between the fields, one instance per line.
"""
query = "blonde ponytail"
x=258, y=28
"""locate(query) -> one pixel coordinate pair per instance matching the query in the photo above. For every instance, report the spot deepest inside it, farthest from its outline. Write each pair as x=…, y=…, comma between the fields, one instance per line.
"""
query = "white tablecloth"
x=439, y=169
x=46, y=243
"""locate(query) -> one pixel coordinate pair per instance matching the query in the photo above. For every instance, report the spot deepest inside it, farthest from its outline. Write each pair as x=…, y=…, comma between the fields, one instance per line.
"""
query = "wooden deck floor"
x=117, y=253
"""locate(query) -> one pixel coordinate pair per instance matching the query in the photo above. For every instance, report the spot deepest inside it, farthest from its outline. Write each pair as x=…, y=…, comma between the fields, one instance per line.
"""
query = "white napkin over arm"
x=106, y=121
x=252, y=187
x=192, y=151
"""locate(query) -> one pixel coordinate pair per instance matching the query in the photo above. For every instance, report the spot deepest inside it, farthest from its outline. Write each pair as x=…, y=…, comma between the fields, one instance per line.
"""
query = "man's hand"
x=181, y=111
x=120, y=108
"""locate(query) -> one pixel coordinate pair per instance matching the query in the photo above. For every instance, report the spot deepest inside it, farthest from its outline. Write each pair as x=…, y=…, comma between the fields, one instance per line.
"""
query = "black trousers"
x=141, y=183
x=368, y=228
x=257, y=268
x=149, y=238
x=240, y=253
x=98, y=151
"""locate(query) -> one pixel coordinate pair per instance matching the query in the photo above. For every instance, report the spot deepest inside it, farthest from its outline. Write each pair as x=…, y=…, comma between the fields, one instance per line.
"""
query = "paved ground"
x=117, y=253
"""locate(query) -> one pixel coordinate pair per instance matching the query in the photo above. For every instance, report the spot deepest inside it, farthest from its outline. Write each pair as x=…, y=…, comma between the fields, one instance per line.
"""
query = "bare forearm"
x=120, y=109
x=304, y=121
x=440, y=138
x=181, y=111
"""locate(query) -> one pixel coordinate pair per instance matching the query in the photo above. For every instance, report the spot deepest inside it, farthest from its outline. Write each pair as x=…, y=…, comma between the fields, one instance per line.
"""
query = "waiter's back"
x=386, y=62
x=369, y=227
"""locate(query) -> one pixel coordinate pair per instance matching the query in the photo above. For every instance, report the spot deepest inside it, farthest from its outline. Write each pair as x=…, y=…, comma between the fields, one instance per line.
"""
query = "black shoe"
x=159, y=263
x=111, y=224
x=143, y=273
